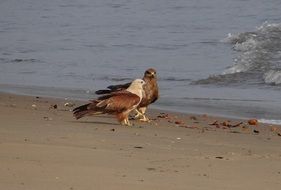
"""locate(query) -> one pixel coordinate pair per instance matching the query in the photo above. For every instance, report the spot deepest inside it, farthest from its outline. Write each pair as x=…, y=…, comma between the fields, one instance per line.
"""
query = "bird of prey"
x=150, y=92
x=119, y=103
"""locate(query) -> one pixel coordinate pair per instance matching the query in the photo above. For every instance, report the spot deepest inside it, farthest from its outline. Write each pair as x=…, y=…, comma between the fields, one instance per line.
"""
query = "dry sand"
x=46, y=148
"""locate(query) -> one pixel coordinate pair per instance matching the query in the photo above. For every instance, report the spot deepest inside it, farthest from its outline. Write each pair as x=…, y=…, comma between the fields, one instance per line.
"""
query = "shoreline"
x=85, y=95
x=76, y=102
x=43, y=147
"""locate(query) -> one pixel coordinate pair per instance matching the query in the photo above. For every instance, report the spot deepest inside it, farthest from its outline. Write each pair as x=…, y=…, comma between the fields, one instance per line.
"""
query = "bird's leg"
x=126, y=122
x=144, y=118
x=142, y=111
x=123, y=122
x=138, y=114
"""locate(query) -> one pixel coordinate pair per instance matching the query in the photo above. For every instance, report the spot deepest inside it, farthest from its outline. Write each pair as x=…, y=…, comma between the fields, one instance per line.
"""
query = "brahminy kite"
x=150, y=92
x=119, y=103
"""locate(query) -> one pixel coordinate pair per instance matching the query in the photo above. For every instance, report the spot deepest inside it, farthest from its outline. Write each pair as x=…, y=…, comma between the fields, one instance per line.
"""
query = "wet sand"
x=43, y=147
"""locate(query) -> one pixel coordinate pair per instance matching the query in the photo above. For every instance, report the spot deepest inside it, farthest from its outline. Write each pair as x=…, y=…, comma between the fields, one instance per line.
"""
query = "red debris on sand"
x=225, y=123
x=178, y=122
x=214, y=123
x=253, y=122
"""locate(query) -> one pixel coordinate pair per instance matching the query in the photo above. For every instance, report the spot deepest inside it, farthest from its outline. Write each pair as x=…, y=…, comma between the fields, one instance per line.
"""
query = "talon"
x=144, y=119
x=127, y=123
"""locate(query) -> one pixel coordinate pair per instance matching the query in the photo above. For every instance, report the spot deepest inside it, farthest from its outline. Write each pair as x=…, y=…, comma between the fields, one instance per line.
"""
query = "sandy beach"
x=43, y=147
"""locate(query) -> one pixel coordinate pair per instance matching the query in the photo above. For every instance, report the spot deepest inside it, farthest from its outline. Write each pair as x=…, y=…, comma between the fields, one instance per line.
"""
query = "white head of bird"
x=136, y=87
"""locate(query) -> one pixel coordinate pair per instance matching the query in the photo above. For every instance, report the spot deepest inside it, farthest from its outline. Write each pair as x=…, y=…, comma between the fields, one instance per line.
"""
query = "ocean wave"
x=226, y=79
x=257, y=50
x=242, y=66
x=258, y=57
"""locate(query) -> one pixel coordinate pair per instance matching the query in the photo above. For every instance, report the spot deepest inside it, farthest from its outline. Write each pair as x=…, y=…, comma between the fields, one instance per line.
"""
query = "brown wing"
x=113, y=88
x=115, y=102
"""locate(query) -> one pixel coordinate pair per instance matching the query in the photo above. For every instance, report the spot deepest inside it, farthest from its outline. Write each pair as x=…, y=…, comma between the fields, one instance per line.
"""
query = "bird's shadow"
x=104, y=123
x=95, y=122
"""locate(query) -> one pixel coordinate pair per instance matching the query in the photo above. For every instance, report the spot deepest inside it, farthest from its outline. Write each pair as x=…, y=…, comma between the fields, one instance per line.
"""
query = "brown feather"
x=151, y=92
x=81, y=111
x=119, y=104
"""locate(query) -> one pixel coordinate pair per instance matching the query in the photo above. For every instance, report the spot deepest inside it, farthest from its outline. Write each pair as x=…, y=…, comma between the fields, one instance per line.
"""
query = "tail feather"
x=81, y=111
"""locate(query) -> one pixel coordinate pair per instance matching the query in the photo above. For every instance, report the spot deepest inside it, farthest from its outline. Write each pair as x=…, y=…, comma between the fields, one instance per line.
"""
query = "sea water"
x=221, y=57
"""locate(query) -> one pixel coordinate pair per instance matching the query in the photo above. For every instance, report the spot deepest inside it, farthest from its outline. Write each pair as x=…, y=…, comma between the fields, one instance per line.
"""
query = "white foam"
x=268, y=26
x=247, y=45
x=255, y=48
x=270, y=121
x=230, y=38
x=242, y=66
x=272, y=77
